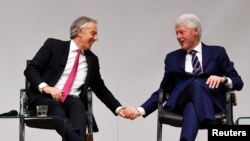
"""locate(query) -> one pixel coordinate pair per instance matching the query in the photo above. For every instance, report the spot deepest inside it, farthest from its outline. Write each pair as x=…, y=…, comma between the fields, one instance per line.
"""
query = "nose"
x=178, y=36
x=96, y=38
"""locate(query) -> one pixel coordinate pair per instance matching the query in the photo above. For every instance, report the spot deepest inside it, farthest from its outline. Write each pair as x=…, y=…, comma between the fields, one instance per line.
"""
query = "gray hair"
x=191, y=21
x=80, y=23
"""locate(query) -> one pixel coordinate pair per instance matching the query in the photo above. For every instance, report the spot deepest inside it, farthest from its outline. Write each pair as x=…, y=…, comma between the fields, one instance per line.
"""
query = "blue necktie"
x=195, y=63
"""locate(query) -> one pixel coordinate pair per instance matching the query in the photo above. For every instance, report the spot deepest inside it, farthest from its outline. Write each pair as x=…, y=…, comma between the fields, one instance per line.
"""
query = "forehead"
x=181, y=26
x=92, y=26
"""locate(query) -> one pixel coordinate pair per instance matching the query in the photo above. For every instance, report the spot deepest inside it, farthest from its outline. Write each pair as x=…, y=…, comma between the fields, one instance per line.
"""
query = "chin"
x=183, y=47
x=88, y=48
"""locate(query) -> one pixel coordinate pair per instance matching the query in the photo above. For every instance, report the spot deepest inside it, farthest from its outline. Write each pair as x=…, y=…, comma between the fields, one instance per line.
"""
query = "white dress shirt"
x=189, y=68
x=188, y=61
x=80, y=75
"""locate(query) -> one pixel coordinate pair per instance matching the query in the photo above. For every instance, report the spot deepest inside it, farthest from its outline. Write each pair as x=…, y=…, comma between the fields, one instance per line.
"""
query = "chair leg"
x=21, y=129
x=159, y=131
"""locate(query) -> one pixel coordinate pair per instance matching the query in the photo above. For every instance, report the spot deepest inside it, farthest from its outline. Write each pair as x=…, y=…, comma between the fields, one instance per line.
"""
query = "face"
x=187, y=38
x=87, y=36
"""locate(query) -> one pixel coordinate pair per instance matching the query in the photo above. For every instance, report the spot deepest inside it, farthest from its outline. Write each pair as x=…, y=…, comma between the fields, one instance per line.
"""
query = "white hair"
x=191, y=21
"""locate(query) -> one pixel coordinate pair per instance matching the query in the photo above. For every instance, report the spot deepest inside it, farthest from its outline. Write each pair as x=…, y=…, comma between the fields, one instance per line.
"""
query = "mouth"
x=91, y=43
x=181, y=42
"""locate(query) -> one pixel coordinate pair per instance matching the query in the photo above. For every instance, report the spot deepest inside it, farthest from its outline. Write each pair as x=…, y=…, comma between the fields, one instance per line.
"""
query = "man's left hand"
x=214, y=81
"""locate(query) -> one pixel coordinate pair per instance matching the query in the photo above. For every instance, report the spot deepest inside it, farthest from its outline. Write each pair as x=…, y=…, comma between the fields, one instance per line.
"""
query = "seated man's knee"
x=56, y=109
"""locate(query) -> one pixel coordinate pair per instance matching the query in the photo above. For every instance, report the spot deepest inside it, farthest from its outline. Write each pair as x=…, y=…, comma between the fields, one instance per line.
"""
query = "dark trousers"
x=196, y=106
x=73, y=126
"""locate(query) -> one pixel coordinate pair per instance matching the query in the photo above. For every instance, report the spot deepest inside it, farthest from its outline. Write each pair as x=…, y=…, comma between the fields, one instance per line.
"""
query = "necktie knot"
x=192, y=52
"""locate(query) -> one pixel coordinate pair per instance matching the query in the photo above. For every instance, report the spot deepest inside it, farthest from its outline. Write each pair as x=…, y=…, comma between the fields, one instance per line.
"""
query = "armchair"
x=173, y=119
x=33, y=121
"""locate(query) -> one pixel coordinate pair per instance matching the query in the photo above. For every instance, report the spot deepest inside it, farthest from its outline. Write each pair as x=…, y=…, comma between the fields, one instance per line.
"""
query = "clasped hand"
x=129, y=113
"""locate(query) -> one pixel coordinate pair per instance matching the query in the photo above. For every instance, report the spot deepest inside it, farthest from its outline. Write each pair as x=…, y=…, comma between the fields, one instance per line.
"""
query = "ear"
x=196, y=31
x=79, y=32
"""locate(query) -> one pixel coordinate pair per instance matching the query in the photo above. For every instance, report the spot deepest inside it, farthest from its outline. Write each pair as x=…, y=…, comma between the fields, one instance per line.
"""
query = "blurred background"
x=134, y=37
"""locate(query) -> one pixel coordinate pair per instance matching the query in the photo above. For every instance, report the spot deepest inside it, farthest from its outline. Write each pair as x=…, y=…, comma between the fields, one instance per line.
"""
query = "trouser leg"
x=203, y=104
x=190, y=125
x=77, y=115
x=62, y=124
x=197, y=107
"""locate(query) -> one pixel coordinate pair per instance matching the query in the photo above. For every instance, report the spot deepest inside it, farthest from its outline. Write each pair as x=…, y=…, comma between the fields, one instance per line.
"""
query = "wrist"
x=118, y=109
x=141, y=111
x=41, y=86
x=225, y=79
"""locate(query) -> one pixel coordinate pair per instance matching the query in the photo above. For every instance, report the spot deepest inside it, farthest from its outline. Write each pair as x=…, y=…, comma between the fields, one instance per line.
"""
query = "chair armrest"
x=234, y=100
x=231, y=98
x=164, y=115
x=90, y=111
x=160, y=101
x=230, y=102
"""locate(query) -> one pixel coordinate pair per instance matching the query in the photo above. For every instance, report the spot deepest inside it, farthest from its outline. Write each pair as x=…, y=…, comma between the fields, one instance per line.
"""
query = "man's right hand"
x=53, y=91
x=131, y=113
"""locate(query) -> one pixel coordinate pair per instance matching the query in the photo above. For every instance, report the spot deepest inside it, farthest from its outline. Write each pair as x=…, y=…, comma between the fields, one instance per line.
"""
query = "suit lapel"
x=182, y=60
x=90, y=66
x=64, y=53
x=205, y=56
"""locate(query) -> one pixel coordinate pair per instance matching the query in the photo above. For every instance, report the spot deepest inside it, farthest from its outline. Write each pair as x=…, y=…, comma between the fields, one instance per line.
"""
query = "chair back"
x=174, y=119
x=46, y=123
x=35, y=121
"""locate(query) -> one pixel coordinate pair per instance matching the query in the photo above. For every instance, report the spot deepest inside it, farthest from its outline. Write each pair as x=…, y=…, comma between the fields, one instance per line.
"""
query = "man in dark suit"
x=197, y=87
x=49, y=70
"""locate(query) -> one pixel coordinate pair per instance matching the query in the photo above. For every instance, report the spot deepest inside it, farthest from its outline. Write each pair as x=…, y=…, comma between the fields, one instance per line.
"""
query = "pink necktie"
x=71, y=78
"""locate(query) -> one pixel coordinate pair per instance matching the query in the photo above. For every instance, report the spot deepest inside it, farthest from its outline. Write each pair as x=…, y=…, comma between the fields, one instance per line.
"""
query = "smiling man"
x=196, y=76
x=60, y=74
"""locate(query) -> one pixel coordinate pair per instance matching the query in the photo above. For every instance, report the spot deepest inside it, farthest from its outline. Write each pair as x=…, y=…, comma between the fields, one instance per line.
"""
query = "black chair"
x=34, y=121
x=237, y=122
x=173, y=119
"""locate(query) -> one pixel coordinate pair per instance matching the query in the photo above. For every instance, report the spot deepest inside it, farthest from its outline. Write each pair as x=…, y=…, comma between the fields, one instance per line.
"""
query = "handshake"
x=129, y=113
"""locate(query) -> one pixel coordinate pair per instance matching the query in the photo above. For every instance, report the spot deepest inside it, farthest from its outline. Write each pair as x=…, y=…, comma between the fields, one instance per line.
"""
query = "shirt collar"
x=197, y=48
x=73, y=46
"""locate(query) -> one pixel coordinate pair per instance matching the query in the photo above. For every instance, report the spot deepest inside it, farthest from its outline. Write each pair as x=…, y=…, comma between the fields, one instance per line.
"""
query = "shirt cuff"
x=41, y=86
x=229, y=83
x=118, y=109
x=141, y=110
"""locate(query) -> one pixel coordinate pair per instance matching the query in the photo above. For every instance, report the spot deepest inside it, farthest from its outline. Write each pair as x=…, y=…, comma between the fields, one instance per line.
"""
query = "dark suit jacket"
x=48, y=65
x=215, y=61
